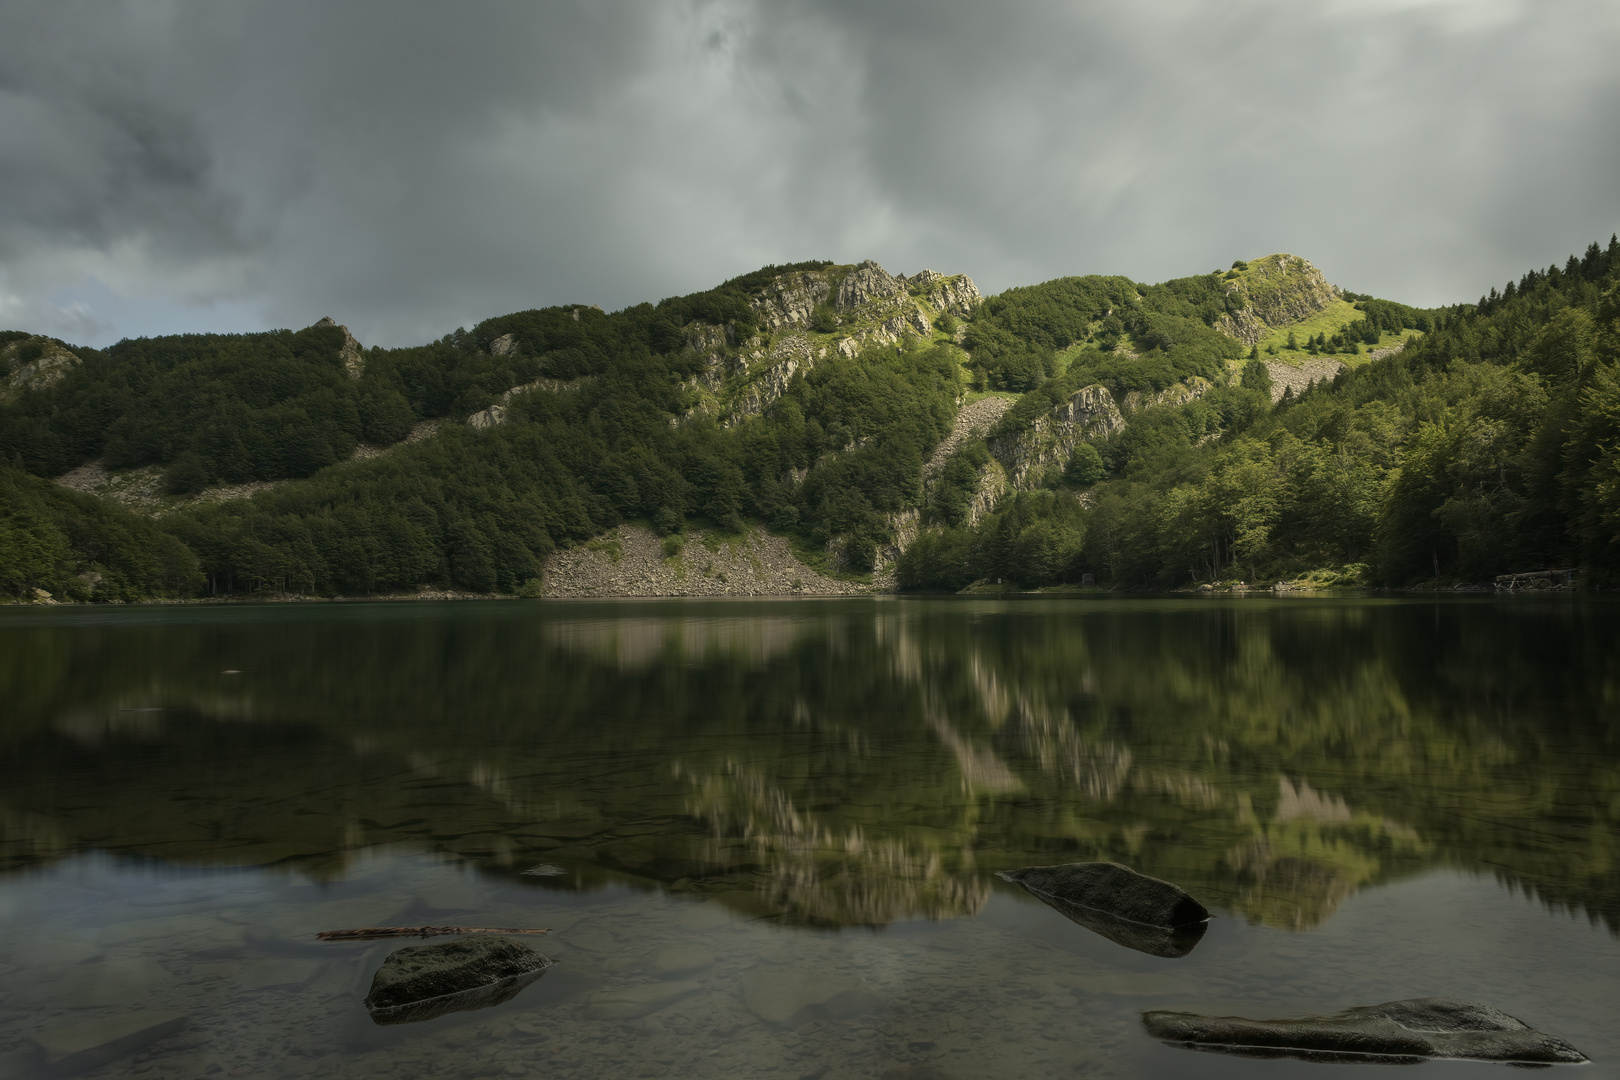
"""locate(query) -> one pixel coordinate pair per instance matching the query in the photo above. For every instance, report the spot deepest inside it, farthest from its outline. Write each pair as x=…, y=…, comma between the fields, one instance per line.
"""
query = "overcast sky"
x=407, y=168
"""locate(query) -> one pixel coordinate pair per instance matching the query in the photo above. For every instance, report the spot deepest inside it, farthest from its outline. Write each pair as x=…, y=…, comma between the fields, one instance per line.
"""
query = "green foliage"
x=1489, y=445
x=1086, y=467
x=1256, y=376
x=1032, y=539
x=1014, y=336
x=235, y=407
x=957, y=483
x=62, y=542
x=481, y=510
x=861, y=427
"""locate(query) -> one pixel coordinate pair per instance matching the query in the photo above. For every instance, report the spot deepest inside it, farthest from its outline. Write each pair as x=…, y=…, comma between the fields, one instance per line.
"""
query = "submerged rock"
x=1394, y=1032
x=1130, y=909
x=97, y=1042
x=785, y=998
x=626, y=1003
x=425, y=981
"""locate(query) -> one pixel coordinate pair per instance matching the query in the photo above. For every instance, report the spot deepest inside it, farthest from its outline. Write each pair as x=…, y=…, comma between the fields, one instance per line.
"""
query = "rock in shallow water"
x=424, y=981
x=1394, y=1032
x=628, y=1002
x=781, y=997
x=1128, y=908
x=97, y=1042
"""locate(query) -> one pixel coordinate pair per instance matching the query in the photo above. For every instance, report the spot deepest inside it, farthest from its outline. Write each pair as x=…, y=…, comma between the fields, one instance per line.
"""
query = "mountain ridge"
x=811, y=399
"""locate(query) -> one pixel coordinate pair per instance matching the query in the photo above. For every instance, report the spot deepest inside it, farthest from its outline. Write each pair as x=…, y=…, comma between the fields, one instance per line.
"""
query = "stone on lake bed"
x=420, y=982
x=627, y=1003
x=681, y=960
x=106, y=983
x=1131, y=909
x=1394, y=1032
x=97, y=1042
x=784, y=997
x=44, y=951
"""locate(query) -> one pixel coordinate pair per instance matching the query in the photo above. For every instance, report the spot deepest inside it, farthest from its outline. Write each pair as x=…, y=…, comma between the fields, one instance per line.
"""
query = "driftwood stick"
x=371, y=933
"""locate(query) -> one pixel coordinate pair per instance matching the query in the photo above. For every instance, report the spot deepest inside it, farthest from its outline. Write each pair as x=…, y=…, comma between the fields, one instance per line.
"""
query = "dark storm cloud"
x=171, y=165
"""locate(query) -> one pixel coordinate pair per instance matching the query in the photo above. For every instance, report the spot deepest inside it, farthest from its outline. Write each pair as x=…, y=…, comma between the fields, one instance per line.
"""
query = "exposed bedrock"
x=1050, y=440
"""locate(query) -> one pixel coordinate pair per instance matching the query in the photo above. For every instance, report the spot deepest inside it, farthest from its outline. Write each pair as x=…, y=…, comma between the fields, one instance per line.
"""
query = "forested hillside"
x=1142, y=438
x=1487, y=445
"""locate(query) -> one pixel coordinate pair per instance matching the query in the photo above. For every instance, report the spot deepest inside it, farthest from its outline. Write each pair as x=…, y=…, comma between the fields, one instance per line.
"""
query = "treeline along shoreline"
x=1143, y=444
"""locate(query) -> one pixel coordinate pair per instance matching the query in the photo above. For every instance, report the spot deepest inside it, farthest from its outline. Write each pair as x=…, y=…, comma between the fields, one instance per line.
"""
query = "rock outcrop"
x=33, y=364
x=1050, y=441
x=903, y=528
x=1129, y=908
x=790, y=300
x=973, y=421
x=1274, y=291
x=1182, y=392
x=987, y=492
x=1300, y=377
x=352, y=353
x=495, y=415
x=790, y=354
x=874, y=308
x=421, y=982
x=1396, y=1032
x=956, y=295
x=865, y=283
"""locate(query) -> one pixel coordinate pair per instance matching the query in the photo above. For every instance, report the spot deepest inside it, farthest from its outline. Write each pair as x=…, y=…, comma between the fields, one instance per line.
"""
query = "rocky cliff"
x=1050, y=441
x=496, y=414
x=34, y=363
x=861, y=306
x=352, y=353
x=1274, y=291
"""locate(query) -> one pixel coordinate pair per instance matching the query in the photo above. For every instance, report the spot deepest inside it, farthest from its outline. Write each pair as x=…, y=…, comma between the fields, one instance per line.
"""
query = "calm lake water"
x=767, y=832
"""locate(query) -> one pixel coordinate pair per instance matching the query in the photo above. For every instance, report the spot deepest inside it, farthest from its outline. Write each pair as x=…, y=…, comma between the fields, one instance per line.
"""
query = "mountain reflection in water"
x=838, y=763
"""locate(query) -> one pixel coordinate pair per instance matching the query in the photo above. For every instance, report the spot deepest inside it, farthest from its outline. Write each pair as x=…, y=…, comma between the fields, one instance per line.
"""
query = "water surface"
x=769, y=831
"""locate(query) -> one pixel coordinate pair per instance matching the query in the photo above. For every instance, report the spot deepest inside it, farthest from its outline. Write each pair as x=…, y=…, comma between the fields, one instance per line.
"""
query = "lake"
x=765, y=835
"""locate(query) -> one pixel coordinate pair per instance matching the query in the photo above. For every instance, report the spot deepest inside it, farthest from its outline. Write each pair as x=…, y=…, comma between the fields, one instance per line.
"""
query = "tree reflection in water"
x=835, y=763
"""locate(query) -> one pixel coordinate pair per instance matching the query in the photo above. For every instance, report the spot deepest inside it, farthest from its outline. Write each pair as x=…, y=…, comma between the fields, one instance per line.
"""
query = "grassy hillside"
x=1484, y=446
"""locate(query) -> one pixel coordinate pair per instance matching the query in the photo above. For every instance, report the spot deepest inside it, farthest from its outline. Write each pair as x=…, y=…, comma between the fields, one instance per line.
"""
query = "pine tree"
x=1592, y=262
